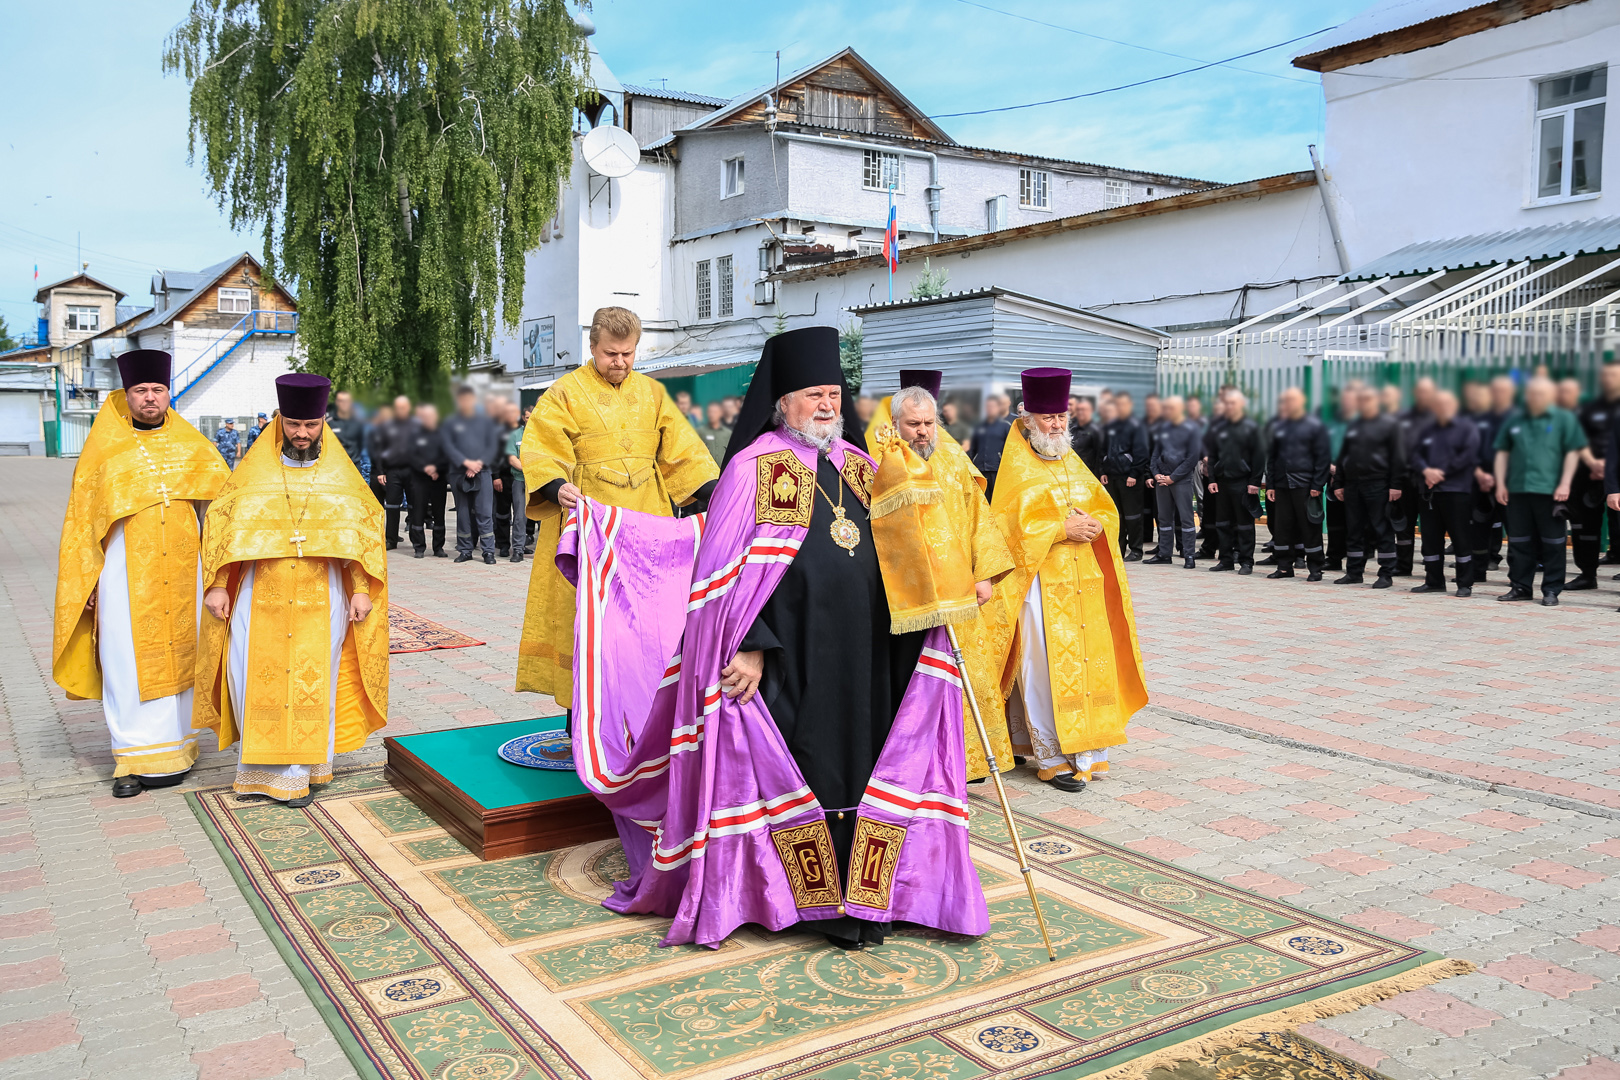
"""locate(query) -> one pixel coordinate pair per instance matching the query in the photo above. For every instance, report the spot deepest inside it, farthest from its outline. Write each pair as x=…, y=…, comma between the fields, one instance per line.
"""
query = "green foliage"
x=849, y=354
x=779, y=326
x=399, y=156
x=930, y=282
x=7, y=342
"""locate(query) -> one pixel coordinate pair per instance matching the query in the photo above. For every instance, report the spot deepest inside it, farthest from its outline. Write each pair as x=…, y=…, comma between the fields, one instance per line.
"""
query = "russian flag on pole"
x=891, y=236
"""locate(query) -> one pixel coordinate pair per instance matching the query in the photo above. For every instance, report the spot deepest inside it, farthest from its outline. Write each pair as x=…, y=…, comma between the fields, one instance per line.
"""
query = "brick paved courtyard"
x=1445, y=772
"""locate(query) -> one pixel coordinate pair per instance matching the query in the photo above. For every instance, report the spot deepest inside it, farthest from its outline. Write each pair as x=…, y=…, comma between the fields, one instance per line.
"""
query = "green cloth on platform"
x=466, y=757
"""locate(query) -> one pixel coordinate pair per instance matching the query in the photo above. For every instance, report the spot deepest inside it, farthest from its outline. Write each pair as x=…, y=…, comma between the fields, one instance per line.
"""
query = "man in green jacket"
x=1537, y=452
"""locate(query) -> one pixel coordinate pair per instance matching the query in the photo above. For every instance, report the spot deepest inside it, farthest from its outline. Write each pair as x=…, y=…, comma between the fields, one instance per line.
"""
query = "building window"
x=236, y=301
x=1034, y=188
x=880, y=171
x=705, y=293
x=1118, y=192
x=995, y=213
x=83, y=318
x=731, y=177
x=868, y=247
x=722, y=270
x=1569, y=134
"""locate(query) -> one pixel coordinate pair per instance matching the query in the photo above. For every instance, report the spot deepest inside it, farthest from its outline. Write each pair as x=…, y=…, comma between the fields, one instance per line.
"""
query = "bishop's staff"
x=930, y=584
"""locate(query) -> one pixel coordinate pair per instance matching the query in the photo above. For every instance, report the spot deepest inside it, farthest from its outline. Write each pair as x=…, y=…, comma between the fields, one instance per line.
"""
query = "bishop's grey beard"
x=926, y=452
x=1051, y=447
x=818, y=435
x=295, y=454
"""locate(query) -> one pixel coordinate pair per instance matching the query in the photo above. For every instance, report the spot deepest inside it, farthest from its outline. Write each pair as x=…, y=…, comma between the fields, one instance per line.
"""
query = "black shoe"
x=465, y=556
x=1068, y=782
x=1348, y=579
x=1335, y=565
x=420, y=553
x=1222, y=565
x=163, y=781
x=392, y=544
x=516, y=556
x=1513, y=595
x=1315, y=575
x=489, y=558
x=1206, y=554
x=1383, y=582
x=847, y=944
x=1426, y=587
x=528, y=549
x=1019, y=760
x=126, y=787
x=980, y=780
x=1275, y=574
x=1158, y=560
x=1135, y=556
x=1245, y=570
x=1465, y=591
x=1269, y=560
x=440, y=553
x=1191, y=563
x=873, y=933
x=1549, y=601
x=502, y=553
x=302, y=801
x=1496, y=564
x=1580, y=584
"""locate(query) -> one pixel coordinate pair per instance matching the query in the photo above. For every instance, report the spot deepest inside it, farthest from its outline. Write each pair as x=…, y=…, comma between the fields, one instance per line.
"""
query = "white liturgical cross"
x=298, y=539
x=163, y=489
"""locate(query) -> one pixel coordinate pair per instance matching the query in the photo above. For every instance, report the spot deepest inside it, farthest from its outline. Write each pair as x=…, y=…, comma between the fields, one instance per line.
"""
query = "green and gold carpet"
x=428, y=963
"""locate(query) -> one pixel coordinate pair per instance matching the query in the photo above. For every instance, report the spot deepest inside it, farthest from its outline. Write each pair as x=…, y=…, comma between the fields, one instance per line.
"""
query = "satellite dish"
x=611, y=151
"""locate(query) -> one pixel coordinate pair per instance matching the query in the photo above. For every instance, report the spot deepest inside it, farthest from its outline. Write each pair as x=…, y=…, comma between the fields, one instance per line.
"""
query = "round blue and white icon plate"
x=541, y=750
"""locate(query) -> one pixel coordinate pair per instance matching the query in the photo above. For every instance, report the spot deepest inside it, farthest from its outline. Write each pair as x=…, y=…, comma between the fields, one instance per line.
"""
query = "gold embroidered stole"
x=160, y=552
x=287, y=698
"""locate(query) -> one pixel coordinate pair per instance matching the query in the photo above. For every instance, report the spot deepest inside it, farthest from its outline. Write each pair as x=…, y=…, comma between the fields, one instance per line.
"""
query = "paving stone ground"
x=1442, y=771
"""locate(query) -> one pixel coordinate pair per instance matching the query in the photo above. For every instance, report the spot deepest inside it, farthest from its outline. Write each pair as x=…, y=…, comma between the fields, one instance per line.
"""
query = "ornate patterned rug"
x=409, y=632
x=429, y=963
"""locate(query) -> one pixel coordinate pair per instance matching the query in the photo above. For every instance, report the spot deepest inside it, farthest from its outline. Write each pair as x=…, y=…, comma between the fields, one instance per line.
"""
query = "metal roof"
x=673, y=365
x=1542, y=242
x=675, y=95
x=1387, y=16
x=1032, y=305
x=189, y=285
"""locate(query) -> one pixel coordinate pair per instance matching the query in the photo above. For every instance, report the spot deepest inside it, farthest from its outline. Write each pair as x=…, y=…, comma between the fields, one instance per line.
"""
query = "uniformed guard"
x=1537, y=452
x=1297, y=468
x=1370, y=469
x=1333, y=510
x=1477, y=411
x=1503, y=390
x=1237, y=462
x=228, y=441
x=1125, y=468
x=1586, y=506
x=1443, y=461
x=1403, y=513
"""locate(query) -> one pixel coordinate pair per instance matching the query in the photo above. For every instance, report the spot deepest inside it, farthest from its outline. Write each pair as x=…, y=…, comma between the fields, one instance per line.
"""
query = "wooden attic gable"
x=843, y=92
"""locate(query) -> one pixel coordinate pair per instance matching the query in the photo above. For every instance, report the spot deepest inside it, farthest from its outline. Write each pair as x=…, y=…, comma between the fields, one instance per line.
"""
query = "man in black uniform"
x=1237, y=462
x=1586, y=505
x=1207, y=537
x=1086, y=435
x=1333, y=509
x=392, y=459
x=1153, y=424
x=350, y=432
x=500, y=472
x=430, y=483
x=1503, y=390
x=1370, y=469
x=1477, y=411
x=1444, y=460
x=1403, y=514
x=1125, y=474
x=1297, y=469
x=1176, y=456
x=472, y=443
x=988, y=440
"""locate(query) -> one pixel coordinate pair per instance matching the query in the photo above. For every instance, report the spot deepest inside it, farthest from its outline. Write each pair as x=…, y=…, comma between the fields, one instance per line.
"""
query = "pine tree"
x=399, y=156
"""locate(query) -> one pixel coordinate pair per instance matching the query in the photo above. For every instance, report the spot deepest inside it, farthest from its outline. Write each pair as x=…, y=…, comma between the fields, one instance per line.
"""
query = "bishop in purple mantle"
x=771, y=752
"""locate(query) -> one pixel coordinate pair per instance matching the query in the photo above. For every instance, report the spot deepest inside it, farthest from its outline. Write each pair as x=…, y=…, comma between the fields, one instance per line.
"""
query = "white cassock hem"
x=1035, y=686
x=148, y=730
x=281, y=781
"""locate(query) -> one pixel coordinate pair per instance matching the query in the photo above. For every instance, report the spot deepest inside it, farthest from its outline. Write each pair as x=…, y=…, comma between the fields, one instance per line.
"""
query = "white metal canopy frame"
x=1561, y=312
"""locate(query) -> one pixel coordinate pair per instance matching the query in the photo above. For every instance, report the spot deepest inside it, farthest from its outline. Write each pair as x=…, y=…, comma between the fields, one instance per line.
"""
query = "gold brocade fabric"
x=1092, y=651
x=124, y=474
x=973, y=531
x=250, y=522
x=927, y=567
x=625, y=446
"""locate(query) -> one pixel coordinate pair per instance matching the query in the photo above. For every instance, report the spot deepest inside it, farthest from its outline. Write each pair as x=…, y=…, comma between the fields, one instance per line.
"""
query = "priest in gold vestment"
x=293, y=659
x=130, y=639
x=913, y=414
x=606, y=431
x=1074, y=676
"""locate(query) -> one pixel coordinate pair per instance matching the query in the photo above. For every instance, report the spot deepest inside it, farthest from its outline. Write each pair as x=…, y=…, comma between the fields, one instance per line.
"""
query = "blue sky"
x=93, y=144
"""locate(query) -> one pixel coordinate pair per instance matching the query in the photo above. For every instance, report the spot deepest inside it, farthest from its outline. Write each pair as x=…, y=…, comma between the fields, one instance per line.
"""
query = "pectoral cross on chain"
x=298, y=539
x=163, y=489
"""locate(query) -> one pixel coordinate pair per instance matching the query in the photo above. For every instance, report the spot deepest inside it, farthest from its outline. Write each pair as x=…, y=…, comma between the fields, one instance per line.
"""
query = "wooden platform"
x=496, y=832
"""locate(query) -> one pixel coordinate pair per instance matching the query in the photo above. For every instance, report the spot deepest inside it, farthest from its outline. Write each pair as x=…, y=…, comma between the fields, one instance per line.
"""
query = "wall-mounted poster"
x=539, y=343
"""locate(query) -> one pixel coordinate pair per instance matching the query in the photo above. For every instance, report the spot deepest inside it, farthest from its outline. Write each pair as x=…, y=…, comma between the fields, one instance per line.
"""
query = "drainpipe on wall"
x=934, y=186
x=1332, y=213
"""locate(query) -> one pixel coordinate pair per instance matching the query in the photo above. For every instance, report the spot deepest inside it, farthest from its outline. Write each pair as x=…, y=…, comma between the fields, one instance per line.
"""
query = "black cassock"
x=834, y=675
